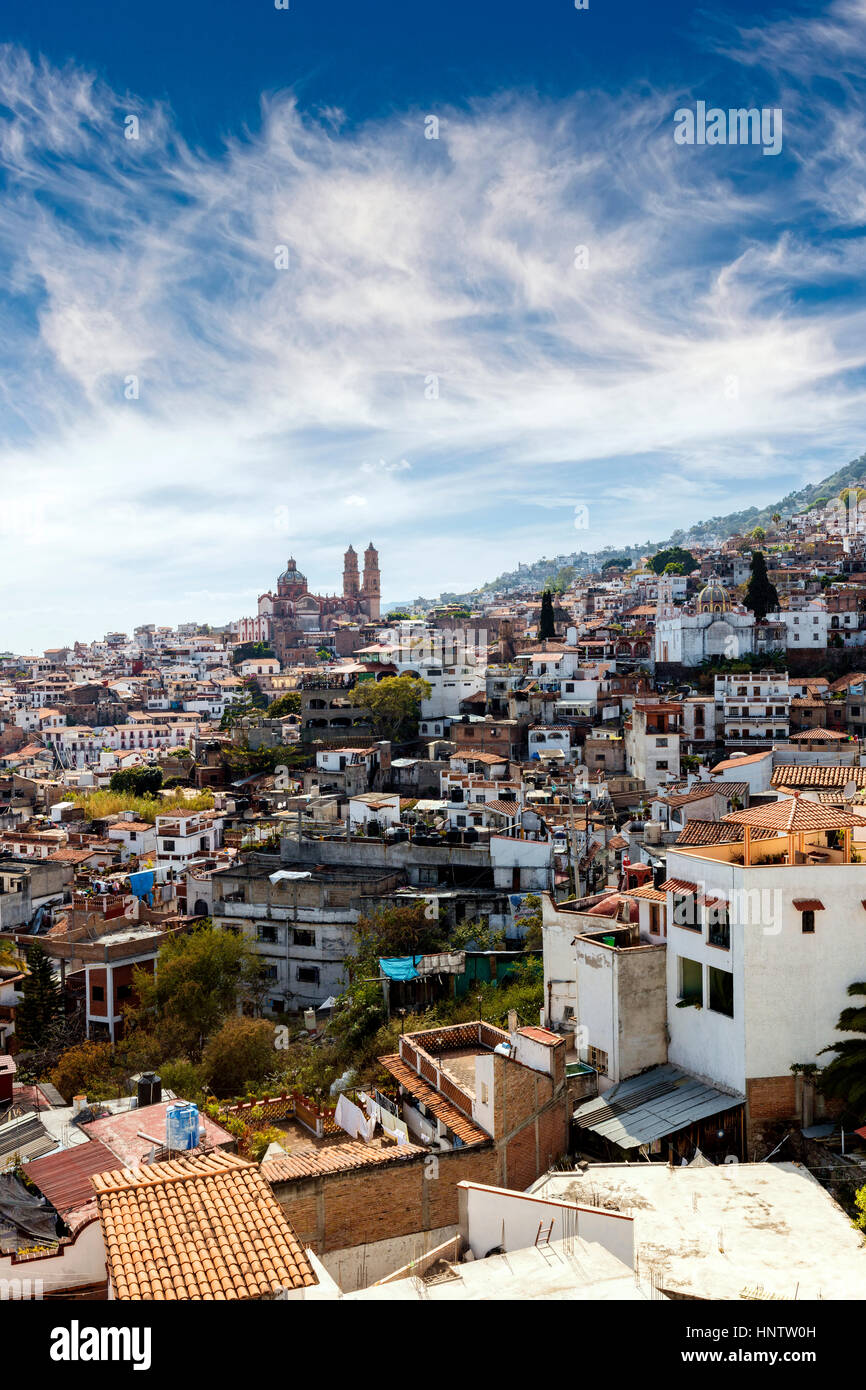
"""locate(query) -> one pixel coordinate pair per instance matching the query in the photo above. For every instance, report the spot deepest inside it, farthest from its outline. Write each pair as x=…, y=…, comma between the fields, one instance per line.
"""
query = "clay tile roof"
x=742, y=762
x=465, y=1129
x=714, y=832
x=819, y=735
x=678, y=885
x=812, y=775
x=204, y=1227
x=541, y=1035
x=795, y=814
x=654, y=895
x=336, y=1158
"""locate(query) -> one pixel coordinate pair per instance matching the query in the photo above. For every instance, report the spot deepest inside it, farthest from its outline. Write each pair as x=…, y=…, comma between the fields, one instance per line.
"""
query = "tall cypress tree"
x=761, y=595
x=546, y=626
x=42, y=1006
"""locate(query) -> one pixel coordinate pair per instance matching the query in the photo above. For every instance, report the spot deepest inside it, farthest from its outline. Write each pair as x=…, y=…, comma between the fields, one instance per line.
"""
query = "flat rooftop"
x=728, y=1231
x=573, y=1269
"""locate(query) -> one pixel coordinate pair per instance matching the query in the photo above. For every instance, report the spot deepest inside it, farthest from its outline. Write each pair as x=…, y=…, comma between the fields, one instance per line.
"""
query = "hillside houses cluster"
x=666, y=790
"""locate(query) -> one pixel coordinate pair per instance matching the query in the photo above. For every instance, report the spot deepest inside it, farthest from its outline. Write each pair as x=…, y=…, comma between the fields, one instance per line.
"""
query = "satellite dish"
x=849, y=791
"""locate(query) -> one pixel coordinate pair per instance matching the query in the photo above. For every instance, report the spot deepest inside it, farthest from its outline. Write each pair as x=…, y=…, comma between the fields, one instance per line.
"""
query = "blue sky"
x=280, y=318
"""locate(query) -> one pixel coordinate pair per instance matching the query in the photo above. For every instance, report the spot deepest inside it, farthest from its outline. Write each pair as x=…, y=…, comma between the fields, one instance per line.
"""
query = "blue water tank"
x=181, y=1125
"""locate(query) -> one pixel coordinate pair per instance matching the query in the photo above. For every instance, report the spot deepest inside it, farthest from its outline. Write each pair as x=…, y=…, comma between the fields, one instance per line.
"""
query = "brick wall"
x=771, y=1104
x=772, y=1097
x=364, y=1205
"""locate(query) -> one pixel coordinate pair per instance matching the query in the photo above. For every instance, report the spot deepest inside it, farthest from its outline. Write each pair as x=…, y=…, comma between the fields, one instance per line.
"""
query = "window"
x=808, y=921
x=302, y=937
x=97, y=994
x=661, y=766
x=168, y=845
x=655, y=919
x=124, y=991
x=685, y=914
x=307, y=974
x=718, y=925
x=597, y=1059
x=267, y=934
x=691, y=981
x=661, y=743
x=278, y=1006
x=721, y=999
x=484, y=1100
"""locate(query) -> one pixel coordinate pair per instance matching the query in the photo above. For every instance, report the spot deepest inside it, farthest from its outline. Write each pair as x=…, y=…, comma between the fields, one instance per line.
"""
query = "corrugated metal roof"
x=649, y=1107
x=27, y=1137
x=64, y=1178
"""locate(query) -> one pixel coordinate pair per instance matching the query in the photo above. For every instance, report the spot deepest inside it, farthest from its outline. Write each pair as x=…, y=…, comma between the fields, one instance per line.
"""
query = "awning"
x=288, y=874
x=649, y=1107
x=808, y=905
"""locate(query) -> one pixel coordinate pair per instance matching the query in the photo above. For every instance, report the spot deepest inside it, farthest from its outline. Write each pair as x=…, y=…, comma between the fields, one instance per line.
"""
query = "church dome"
x=291, y=574
x=713, y=598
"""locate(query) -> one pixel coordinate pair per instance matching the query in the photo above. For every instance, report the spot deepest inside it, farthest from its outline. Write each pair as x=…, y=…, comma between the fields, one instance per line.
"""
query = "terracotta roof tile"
x=204, y=1227
x=465, y=1129
x=795, y=814
x=714, y=832
x=813, y=775
x=336, y=1158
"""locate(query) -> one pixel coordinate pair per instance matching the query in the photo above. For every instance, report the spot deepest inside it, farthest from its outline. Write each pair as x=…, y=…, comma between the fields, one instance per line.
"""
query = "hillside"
x=716, y=528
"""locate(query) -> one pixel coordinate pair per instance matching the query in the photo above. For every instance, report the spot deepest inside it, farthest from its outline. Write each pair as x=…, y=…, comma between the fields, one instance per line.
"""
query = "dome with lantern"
x=713, y=598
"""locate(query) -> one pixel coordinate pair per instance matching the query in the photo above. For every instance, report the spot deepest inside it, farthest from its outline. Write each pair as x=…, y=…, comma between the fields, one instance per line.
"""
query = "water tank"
x=149, y=1089
x=181, y=1125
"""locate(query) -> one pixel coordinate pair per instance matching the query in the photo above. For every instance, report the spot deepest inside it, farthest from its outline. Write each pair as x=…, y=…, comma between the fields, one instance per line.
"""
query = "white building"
x=753, y=706
x=764, y=938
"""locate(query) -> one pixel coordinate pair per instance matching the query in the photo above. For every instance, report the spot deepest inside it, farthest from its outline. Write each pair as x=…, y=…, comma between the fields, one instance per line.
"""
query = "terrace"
x=800, y=832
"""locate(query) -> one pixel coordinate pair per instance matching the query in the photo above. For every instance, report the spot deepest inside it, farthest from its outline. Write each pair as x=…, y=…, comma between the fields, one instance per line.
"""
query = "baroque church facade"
x=286, y=614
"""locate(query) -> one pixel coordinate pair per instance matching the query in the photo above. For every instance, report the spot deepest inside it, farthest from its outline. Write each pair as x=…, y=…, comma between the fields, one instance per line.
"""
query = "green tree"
x=290, y=703
x=476, y=936
x=675, y=555
x=256, y=696
x=261, y=1140
x=196, y=984
x=761, y=596
x=860, y=1201
x=845, y=1077
x=394, y=704
x=138, y=781
x=247, y=650
x=546, y=625
x=759, y=534
x=398, y=931
x=673, y=568
x=88, y=1069
x=561, y=580
x=238, y=1055
x=41, y=1009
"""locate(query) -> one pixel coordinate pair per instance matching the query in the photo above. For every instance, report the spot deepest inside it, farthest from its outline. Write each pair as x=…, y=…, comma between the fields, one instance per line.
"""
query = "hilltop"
x=714, y=530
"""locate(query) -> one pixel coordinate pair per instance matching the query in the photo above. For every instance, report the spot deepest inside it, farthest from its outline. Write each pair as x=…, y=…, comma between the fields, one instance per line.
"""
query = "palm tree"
x=845, y=1077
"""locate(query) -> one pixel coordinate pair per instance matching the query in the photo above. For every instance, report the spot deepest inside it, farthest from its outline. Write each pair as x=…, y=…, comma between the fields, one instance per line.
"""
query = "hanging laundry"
x=350, y=1118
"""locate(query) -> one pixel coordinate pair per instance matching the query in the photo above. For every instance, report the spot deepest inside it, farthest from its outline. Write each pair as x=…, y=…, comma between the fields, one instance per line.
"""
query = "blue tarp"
x=399, y=967
x=142, y=885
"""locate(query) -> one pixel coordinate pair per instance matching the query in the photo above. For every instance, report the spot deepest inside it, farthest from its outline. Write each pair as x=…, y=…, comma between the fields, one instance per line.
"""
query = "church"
x=716, y=628
x=287, y=614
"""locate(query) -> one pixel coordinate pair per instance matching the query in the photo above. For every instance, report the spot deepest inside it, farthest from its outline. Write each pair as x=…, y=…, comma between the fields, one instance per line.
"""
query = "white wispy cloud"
x=213, y=359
